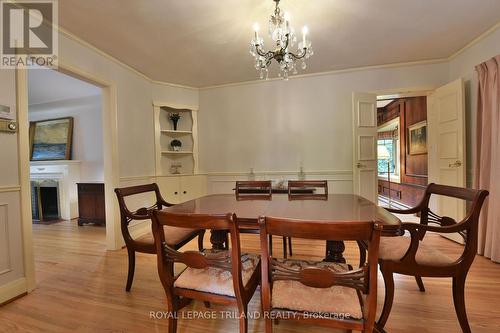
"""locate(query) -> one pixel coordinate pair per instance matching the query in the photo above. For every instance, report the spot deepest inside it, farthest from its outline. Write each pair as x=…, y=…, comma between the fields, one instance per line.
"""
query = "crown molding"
x=475, y=41
x=119, y=62
x=332, y=72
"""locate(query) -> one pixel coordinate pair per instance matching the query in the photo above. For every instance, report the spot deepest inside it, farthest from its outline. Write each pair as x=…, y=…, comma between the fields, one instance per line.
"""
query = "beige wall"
x=463, y=66
x=87, y=131
x=281, y=125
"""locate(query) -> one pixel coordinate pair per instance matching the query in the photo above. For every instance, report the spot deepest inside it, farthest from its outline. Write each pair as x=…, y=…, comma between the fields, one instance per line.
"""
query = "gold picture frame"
x=417, y=138
x=51, y=139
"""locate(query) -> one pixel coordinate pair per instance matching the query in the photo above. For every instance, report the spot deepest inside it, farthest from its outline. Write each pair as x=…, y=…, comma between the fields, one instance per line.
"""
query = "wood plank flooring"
x=80, y=288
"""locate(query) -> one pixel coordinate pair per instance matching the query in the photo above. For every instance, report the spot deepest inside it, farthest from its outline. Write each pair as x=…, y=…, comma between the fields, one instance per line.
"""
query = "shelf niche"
x=186, y=133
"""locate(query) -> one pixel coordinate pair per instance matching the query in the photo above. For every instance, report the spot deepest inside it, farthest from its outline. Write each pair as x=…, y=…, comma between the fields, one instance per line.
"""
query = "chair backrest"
x=226, y=260
x=254, y=189
x=363, y=279
x=468, y=227
x=143, y=213
x=308, y=189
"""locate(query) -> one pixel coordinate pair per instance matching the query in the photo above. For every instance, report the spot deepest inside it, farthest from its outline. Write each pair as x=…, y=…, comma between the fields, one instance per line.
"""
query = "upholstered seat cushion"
x=293, y=295
x=215, y=280
x=394, y=248
x=173, y=236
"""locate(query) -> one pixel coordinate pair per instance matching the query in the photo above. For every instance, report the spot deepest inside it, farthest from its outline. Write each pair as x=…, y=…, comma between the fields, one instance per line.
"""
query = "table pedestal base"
x=218, y=238
x=334, y=252
x=334, y=249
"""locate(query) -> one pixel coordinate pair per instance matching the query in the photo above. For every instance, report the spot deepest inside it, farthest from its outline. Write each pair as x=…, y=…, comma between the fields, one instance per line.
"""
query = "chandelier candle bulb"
x=305, y=30
x=256, y=29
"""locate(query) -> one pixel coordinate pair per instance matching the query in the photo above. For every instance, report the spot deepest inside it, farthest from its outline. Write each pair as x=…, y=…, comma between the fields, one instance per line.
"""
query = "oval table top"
x=344, y=208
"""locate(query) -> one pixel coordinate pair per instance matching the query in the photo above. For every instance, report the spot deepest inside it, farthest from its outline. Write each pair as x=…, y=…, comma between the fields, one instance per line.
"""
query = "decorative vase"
x=174, y=122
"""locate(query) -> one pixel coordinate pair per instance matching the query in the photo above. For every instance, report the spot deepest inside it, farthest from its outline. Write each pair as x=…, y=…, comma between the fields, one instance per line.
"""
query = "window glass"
x=392, y=147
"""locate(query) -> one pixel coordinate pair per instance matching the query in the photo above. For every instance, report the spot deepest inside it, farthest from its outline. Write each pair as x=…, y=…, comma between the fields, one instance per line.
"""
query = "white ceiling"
x=46, y=85
x=205, y=42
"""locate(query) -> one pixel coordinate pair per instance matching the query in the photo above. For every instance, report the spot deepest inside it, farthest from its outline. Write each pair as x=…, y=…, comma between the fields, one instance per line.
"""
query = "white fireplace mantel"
x=67, y=173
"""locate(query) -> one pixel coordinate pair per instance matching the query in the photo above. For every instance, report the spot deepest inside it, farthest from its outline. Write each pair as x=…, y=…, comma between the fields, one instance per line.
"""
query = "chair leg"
x=420, y=283
x=131, y=269
x=243, y=318
x=270, y=245
x=172, y=318
x=362, y=254
x=268, y=324
x=290, y=246
x=200, y=240
x=389, y=296
x=459, y=301
x=284, y=248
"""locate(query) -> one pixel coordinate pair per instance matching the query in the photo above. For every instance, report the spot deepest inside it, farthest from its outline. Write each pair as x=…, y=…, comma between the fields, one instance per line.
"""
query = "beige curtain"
x=487, y=157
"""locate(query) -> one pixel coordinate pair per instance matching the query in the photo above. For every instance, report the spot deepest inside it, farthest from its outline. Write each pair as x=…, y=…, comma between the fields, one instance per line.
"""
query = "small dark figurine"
x=174, y=116
x=176, y=145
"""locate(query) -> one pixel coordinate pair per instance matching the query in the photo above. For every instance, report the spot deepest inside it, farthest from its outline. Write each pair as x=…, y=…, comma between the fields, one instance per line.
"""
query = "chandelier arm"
x=260, y=52
x=300, y=55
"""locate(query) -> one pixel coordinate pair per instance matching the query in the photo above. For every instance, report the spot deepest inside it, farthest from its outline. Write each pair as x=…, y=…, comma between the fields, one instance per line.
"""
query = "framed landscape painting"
x=417, y=138
x=51, y=139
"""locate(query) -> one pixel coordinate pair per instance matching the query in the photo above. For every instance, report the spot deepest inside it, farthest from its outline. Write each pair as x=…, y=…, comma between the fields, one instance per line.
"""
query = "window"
x=392, y=145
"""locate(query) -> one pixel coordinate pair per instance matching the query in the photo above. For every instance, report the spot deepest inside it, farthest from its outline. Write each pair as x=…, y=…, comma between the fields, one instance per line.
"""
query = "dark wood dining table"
x=344, y=208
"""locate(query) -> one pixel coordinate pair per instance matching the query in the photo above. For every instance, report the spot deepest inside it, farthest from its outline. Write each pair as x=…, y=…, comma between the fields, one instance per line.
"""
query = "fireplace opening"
x=48, y=198
x=45, y=201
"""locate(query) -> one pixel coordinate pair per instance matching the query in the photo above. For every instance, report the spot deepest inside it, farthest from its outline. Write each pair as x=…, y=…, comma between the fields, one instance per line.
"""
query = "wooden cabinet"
x=91, y=204
x=177, y=189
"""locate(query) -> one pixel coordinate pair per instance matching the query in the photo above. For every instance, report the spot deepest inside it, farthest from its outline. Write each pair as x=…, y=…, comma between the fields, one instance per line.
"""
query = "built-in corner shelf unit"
x=187, y=133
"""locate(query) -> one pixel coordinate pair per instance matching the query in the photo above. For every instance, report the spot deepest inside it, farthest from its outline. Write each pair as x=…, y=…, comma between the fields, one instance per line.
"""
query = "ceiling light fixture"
x=283, y=35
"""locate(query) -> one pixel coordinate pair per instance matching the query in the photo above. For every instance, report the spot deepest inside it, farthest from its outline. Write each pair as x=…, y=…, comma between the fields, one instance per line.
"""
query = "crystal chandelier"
x=283, y=35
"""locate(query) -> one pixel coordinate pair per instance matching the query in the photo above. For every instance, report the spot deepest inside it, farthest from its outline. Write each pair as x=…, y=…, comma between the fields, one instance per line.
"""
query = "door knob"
x=359, y=165
x=455, y=165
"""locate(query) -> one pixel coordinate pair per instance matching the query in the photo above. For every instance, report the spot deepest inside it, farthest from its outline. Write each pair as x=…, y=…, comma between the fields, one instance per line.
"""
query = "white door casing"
x=364, y=107
x=446, y=146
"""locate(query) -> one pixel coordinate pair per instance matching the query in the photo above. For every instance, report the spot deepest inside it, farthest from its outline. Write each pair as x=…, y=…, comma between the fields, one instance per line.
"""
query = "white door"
x=446, y=146
x=364, y=107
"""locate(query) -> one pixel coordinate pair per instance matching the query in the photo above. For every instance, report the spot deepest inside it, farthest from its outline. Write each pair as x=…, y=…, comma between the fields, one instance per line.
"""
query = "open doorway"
x=66, y=151
x=402, y=164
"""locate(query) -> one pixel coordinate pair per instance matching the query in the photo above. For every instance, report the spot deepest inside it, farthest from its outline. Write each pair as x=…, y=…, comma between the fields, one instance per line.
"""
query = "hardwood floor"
x=80, y=288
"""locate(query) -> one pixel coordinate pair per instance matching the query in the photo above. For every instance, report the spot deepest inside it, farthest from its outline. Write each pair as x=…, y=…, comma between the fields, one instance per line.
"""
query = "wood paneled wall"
x=413, y=168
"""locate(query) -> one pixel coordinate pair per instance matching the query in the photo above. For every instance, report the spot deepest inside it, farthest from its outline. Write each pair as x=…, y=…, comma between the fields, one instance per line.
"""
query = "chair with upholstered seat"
x=413, y=255
x=224, y=276
x=176, y=237
x=306, y=190
x=324, y=293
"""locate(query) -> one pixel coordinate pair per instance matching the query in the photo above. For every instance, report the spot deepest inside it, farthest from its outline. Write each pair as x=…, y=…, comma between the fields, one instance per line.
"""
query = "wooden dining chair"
x=324, y=293
x=254, y=190
x=258, y=190
x=412, y=255
x=176, y=237
x=306, y=190
x=225, y=277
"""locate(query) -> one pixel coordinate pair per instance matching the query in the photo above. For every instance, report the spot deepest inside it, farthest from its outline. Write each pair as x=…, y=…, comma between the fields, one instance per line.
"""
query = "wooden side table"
x=91, y=204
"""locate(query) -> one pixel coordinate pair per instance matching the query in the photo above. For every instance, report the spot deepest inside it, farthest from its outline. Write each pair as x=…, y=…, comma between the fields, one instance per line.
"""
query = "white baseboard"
x=12, y=289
